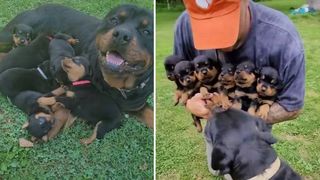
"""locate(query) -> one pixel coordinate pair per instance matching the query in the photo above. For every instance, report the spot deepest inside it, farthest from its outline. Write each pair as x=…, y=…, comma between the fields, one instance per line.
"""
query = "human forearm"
x=278, y=114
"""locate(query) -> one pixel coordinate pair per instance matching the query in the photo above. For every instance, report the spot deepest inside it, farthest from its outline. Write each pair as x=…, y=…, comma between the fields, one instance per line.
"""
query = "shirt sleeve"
x=291, y=96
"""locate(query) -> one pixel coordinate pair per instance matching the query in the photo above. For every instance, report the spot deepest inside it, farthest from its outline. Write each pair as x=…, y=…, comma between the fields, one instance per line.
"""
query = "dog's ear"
x=221, y=159
x=257, y=71
x=264, y=132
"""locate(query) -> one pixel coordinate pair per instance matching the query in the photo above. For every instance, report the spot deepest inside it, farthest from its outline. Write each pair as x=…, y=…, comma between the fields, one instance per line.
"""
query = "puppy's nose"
x=121, y=36
x=264, y=88
x=204, y=71
x=222, y=74
x=238, y=71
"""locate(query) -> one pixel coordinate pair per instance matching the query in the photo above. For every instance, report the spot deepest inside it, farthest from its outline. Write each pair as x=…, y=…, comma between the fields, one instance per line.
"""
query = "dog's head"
x=241, y=144
x=22, y=34
x=207, y=69
x=39, y=124
x=226, y=77
x=169, y=65
x=268, y=82
x=125, y=41
x=184, y=71
x=76, y=67
x=245, y=74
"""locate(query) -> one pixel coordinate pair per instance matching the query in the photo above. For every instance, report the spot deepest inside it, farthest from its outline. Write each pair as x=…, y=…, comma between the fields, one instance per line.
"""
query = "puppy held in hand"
x=100, y=109
x=207, y=71
x=245, y=78
x=22, y=35
x=268, y=85
x=240, y=145
x=185, y=73
x=169, y=65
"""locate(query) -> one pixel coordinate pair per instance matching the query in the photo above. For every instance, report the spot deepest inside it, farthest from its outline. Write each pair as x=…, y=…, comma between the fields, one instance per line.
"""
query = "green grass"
x=125, y=153
x=180, y=149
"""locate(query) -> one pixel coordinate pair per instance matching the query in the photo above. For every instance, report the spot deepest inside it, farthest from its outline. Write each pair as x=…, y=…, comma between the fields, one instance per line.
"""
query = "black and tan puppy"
x=207, y=70
x=246, y=82
x=240, y=145
x=268, y=85
x=85, y=101
x=29, y=56
x=227, y=84
x=40, y=120
x=60, y=48
x=22, y=35
x=169, y=65
x=185, y=73
x=36, y=79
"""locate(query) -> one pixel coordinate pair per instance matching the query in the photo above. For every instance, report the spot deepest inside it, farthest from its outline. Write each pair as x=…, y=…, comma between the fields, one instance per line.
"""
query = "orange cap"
x=214, y=23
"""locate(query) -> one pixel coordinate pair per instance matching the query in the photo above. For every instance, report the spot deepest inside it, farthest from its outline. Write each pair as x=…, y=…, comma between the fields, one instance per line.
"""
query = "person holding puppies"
x=238, y=30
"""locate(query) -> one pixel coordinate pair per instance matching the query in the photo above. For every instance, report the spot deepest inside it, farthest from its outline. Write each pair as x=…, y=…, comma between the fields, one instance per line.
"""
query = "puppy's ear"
x=221, y=159
x=257, y=71
x=264, y=132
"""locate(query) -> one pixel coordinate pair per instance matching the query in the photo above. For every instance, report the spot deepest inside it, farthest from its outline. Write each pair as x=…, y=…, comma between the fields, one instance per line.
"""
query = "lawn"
x=180, y=150
x=126, y=153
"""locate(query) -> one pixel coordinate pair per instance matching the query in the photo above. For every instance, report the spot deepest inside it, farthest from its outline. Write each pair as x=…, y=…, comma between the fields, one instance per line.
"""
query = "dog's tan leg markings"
x=89, y=140
x=239, y=93
x=61, y=115
x=59, y=91
x=177, y=96
x=263, y=111
x=33, y=139
x=184, y=98
x=46, y=101
x=25, y=125
x=252, y=96
x=45, y=138
x=204, y=92
x=69, y=122
x=237, y=104
x=47, y=116
x=252, y=110
x=70, y=94
x=73, y=41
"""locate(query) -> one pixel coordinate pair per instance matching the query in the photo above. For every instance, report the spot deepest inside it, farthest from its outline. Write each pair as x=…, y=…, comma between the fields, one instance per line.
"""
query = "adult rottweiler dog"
x=122, y=59
x=240, y=145
x=120, y=49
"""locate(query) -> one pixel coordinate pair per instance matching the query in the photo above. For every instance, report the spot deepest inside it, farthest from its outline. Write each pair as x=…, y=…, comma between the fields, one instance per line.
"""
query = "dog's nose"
x=238, y=71
x=121, y=36
x=204, y=71
x=264, y=88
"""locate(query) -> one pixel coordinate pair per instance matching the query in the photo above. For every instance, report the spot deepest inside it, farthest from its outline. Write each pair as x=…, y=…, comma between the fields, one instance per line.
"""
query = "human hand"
x=197, y=105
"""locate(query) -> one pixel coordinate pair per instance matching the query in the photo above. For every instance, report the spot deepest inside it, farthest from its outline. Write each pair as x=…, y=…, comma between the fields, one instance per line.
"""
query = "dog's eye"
x=206, y=63
x=114, y=21
x=187, y=71
x=197, y=65
x=263, y=77
x=273, y=81
x=146, y=32
x=246, y=66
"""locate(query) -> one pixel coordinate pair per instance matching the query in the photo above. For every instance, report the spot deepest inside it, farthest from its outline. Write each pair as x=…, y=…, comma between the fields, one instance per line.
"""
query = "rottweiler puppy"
x=61, y=47
x=207, y=70
x=185, y=73
x=36, y=79
x=40, y=120
x=240, y=145
x=22, y=35
x=246, y=93
x=85, y=101
x=169, y=64
x=268, y=85
x=29, y=56
x=227, y=84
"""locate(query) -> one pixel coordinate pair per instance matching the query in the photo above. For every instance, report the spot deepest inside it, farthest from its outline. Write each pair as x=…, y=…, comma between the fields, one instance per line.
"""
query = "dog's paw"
x=263, y=111
x=73, y=41
x=86, y=141
x=46, y=101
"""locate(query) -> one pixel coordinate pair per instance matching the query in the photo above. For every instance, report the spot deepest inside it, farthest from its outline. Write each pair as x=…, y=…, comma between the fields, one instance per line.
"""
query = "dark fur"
x=16, y=80
x=242, y=146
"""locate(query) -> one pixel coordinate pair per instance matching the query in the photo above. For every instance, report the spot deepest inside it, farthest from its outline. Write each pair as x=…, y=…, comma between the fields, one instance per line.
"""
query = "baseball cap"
x=214, y=23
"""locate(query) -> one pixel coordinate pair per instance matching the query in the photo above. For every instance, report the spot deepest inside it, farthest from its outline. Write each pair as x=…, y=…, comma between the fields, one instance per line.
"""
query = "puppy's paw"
x=86, y=141
x=263, y=111
x=73, y=41
x=46, y=101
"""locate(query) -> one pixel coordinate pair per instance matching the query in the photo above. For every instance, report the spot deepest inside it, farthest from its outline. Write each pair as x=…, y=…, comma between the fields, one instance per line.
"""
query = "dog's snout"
x=122, y=36
x=238, y=71
x=263, y=88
